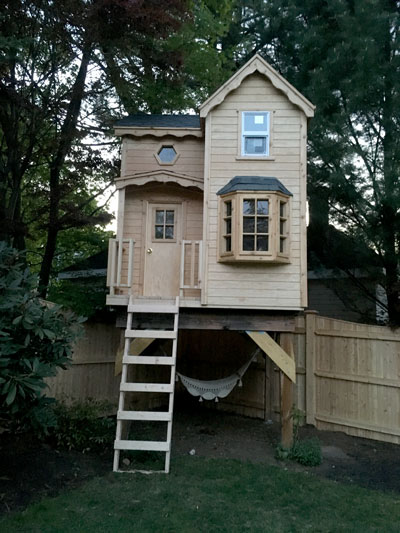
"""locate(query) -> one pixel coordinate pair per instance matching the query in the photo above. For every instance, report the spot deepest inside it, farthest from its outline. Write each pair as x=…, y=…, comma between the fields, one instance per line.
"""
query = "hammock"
x=216, y=388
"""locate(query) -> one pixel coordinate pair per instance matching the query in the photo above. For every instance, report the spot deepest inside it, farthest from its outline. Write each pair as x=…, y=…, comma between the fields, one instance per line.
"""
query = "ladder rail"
x=124, y=415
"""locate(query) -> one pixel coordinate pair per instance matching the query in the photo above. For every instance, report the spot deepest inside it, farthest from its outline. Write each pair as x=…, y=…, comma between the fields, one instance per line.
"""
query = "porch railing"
x=120, y=250
x=191, y=265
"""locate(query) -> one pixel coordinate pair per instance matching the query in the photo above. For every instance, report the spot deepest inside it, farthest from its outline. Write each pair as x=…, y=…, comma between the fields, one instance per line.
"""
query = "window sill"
x=254, y=158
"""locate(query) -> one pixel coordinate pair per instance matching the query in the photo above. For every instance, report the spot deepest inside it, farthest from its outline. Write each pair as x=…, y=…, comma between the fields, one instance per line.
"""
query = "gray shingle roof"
x=254, y=183
x=159, y=121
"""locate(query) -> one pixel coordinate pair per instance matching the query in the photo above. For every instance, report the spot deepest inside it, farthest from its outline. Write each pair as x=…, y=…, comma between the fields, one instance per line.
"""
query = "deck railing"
x=191, y=265
x=118, y=251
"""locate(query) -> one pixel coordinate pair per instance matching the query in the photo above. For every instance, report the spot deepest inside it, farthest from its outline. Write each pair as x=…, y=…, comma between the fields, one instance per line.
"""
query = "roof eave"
x=258, y=64
x=136, y=131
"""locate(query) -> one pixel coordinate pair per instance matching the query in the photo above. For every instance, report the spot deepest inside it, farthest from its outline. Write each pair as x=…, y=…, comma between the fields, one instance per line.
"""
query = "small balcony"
x=126, y=272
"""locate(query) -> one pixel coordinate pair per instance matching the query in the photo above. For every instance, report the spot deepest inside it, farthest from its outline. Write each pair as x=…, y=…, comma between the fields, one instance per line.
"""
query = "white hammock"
x=216, y=388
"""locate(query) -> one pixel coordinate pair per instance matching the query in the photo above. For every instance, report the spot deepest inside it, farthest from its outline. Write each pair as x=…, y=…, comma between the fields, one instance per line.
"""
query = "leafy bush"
x=83, y=426
x=35, y=340
x=306, y=452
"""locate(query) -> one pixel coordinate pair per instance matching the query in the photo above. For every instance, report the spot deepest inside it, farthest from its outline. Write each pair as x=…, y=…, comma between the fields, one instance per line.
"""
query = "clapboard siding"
x=266, y=285
x=139, y=155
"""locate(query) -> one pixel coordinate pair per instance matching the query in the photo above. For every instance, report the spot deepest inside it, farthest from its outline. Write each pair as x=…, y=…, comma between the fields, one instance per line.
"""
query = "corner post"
x=286, y=342
x=310, y=317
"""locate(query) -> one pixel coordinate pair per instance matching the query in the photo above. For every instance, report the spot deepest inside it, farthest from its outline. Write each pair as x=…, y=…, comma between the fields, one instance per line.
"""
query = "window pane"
x=228, y=209
x=248, y=207
x=159, y=233
x=228, y=244
x=248, y=225
x=248, y=243
x=160, y=217
x=282, y=245
x=255, y=145
x=262, y=207
x=169, y=232
x=262, y=225
x=228, y=226
x=282, y=209
x=169, y=217
x=256, y=121
x=282, y=227
x=262, y=244
x=167, y=154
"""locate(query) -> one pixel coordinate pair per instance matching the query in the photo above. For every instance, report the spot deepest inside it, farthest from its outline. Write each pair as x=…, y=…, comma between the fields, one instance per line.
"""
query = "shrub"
x=35, y=340
x=306, y=452
x=83, y=426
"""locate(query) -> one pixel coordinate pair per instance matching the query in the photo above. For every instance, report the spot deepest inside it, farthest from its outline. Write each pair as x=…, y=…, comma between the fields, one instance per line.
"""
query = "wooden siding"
x=138, y=155
x=261, y=285
x=136, y=199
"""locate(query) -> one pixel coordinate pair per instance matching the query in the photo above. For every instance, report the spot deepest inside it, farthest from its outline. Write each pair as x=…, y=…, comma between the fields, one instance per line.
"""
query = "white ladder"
x=156, y=307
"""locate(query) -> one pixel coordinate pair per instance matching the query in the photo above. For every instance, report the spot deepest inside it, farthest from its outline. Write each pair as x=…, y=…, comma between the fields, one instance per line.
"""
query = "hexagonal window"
x=167, y=155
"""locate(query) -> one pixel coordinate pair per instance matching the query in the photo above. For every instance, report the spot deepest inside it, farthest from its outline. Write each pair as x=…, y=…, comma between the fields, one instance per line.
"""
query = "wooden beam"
x=275, y=352
x=231, y=320
x=136, y=348
x=287, y=396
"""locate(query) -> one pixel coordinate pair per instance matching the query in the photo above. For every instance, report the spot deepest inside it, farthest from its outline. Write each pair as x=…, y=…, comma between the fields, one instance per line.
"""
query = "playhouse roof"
x=159, y=121
x=257, y=64
x=254, y=183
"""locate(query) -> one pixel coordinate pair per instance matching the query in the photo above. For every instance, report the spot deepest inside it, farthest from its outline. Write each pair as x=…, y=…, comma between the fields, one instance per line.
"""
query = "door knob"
x=149, y=250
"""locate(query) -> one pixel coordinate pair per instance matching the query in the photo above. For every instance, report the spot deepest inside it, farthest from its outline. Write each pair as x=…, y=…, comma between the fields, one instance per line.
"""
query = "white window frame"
x=259, y=133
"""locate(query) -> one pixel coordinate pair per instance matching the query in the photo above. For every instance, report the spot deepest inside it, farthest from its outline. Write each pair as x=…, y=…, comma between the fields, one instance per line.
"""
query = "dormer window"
x=166, y=155
x=255, y=133
x=254, y=220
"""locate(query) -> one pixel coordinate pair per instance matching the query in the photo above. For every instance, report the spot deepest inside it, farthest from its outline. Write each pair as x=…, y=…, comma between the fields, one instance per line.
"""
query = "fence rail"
x=191, y=264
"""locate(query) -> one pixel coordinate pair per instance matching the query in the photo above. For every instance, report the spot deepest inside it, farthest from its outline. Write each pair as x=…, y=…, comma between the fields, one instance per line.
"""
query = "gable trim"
x=257, y=64
x=160, y=176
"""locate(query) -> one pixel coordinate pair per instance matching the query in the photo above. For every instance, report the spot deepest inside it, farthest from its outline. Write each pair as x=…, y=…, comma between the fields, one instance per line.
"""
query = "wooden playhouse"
x=211, y=237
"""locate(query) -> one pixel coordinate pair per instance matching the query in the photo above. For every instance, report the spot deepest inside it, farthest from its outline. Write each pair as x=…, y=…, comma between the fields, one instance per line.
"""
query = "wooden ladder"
x=156, y=307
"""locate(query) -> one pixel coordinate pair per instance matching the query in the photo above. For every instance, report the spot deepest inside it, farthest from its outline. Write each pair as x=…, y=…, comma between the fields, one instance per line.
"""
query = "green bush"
x=35, y=341
x=83, y=426
x=306, y=452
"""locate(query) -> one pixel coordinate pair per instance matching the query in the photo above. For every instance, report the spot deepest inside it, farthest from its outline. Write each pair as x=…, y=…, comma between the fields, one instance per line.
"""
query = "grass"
x=211, y=495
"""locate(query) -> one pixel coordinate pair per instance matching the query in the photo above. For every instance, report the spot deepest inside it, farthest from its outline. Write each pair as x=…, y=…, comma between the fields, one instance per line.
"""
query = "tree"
x=344, y=55
x=35, y=340
x=50, y=98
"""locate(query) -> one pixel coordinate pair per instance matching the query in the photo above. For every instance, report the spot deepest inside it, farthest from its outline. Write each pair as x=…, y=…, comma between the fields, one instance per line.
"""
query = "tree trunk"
x=65, y=141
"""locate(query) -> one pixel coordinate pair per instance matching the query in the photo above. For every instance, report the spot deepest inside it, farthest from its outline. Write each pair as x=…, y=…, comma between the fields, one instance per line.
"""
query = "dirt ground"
x=30, y=470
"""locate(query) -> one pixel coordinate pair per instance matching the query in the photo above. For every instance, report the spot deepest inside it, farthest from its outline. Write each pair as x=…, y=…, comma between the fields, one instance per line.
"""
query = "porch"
x=149, y=274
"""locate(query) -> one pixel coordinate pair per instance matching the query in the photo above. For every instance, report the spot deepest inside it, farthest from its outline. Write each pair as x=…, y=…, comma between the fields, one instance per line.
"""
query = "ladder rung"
x=148, y=360
x=150, y=334
x=153, y=308
x=146, y=387
x=150, y=445
x=157, y=416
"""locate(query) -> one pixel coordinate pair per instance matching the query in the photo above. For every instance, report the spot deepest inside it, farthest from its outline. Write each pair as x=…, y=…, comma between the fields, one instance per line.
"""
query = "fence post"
x=310, y=317
x=286, y=342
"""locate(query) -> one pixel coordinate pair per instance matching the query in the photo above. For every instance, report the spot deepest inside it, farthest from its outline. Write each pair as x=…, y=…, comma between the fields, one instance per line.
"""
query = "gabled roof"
x=257, y=64
x=159, y=121
x=254, y=183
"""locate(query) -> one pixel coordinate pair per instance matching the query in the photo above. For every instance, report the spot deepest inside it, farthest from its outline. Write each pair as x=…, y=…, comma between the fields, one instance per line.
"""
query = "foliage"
x=35, y=340
x=83, y=426
x=307, y=452
x=344, y=55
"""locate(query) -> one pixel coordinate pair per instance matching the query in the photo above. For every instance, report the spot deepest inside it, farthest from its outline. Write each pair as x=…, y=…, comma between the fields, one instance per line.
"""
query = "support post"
x=287, y=396
x=311, y=317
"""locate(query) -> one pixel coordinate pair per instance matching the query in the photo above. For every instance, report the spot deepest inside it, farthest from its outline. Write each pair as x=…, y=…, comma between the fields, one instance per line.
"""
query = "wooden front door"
x=163, y=250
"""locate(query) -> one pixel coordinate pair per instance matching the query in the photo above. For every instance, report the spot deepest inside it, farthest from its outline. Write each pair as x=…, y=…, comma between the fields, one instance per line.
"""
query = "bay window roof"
x=254, y=183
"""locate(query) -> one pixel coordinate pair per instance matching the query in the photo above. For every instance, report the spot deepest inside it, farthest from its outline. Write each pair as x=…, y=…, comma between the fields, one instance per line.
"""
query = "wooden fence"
x=347, y=374
x=91, y=374
x=352, y=378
